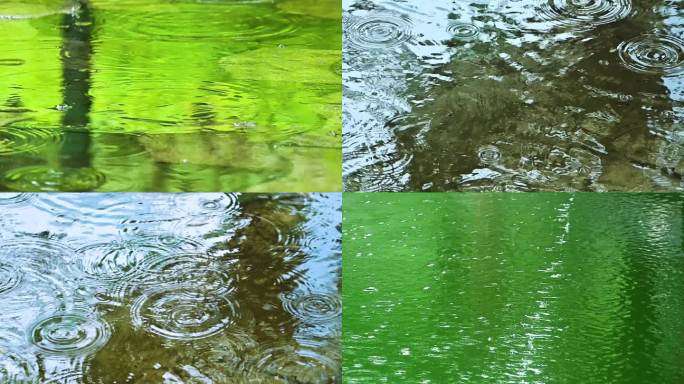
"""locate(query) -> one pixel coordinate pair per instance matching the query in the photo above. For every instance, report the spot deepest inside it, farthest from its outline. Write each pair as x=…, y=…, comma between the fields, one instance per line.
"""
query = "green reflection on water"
x=547, y=288
x=170, y=96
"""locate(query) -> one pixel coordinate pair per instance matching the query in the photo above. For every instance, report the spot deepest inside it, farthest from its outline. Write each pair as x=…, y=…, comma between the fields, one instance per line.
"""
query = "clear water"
x=173, y=288
x=513, y=95
x=162, y=95
x=510, y=288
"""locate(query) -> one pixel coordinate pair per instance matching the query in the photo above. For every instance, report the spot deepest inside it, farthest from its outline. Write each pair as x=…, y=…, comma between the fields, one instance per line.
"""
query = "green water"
x=508, y=288
x=158, y=95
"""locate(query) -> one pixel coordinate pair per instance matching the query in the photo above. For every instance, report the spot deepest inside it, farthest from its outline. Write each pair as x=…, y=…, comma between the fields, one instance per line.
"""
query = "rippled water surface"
x=507, y=288
x=172, y=288
x=164, y=95
x=514, y=95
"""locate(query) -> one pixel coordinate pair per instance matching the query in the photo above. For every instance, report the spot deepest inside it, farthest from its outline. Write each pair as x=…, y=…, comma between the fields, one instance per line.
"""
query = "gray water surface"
x=504, y=95
x=173, y=288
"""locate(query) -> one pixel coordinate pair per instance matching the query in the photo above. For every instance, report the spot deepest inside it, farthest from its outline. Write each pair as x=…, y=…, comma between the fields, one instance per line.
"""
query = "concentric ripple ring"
x=207, y=203
x=180, y=313
x=463, y=30
x=70, y=333
x=653, y=53
x=15, y=140
x=379, y=30
x=116, y=260
x=312, y=307
x=289, y=361
x=47, y=179
x=587, y=13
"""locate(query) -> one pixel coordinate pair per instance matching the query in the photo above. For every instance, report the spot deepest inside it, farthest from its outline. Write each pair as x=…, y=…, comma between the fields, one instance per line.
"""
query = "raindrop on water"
x=296, y=364
x=70, y=333
x=489, y=154
x=116, y=260
x=313, y=307
x=462, y=30
x=379, y=30
x=204, y=204
x=585, y=13
x=14, y=140
x=653, y=53
x=47, y=179
x=180, y=313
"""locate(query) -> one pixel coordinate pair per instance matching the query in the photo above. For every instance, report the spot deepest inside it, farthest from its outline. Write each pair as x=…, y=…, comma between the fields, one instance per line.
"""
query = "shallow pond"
x=161, y=95
x=509, y=288
x=513, y=95
x=173, y=288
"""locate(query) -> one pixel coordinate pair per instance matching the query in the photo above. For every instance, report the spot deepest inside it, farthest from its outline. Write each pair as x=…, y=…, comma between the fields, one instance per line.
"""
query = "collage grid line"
x=341, y=191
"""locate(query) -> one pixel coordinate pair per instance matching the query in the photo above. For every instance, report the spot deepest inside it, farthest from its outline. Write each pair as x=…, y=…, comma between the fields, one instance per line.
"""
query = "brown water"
x=553, y=95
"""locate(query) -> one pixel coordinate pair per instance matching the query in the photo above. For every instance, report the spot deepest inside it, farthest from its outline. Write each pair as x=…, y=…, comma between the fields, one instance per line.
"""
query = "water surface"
x=513, y=95
x=161, y=95
x=509, y=288
x=169, y=288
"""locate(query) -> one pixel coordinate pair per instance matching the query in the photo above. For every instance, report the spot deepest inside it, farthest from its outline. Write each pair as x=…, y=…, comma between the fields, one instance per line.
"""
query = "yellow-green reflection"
x=167, y=95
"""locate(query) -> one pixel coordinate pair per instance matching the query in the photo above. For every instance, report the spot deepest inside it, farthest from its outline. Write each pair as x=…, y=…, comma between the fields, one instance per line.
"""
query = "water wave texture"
x=108, y=287
x=518, y=95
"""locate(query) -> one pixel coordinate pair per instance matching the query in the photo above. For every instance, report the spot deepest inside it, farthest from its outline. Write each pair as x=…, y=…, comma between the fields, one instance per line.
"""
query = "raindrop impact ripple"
x=653, y=53
x=378, y=31
x=180, y=313
x=70, y=333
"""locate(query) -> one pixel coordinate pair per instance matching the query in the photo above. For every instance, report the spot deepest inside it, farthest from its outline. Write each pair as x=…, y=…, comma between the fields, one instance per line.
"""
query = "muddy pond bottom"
x=206, y=288
x=510, y=288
